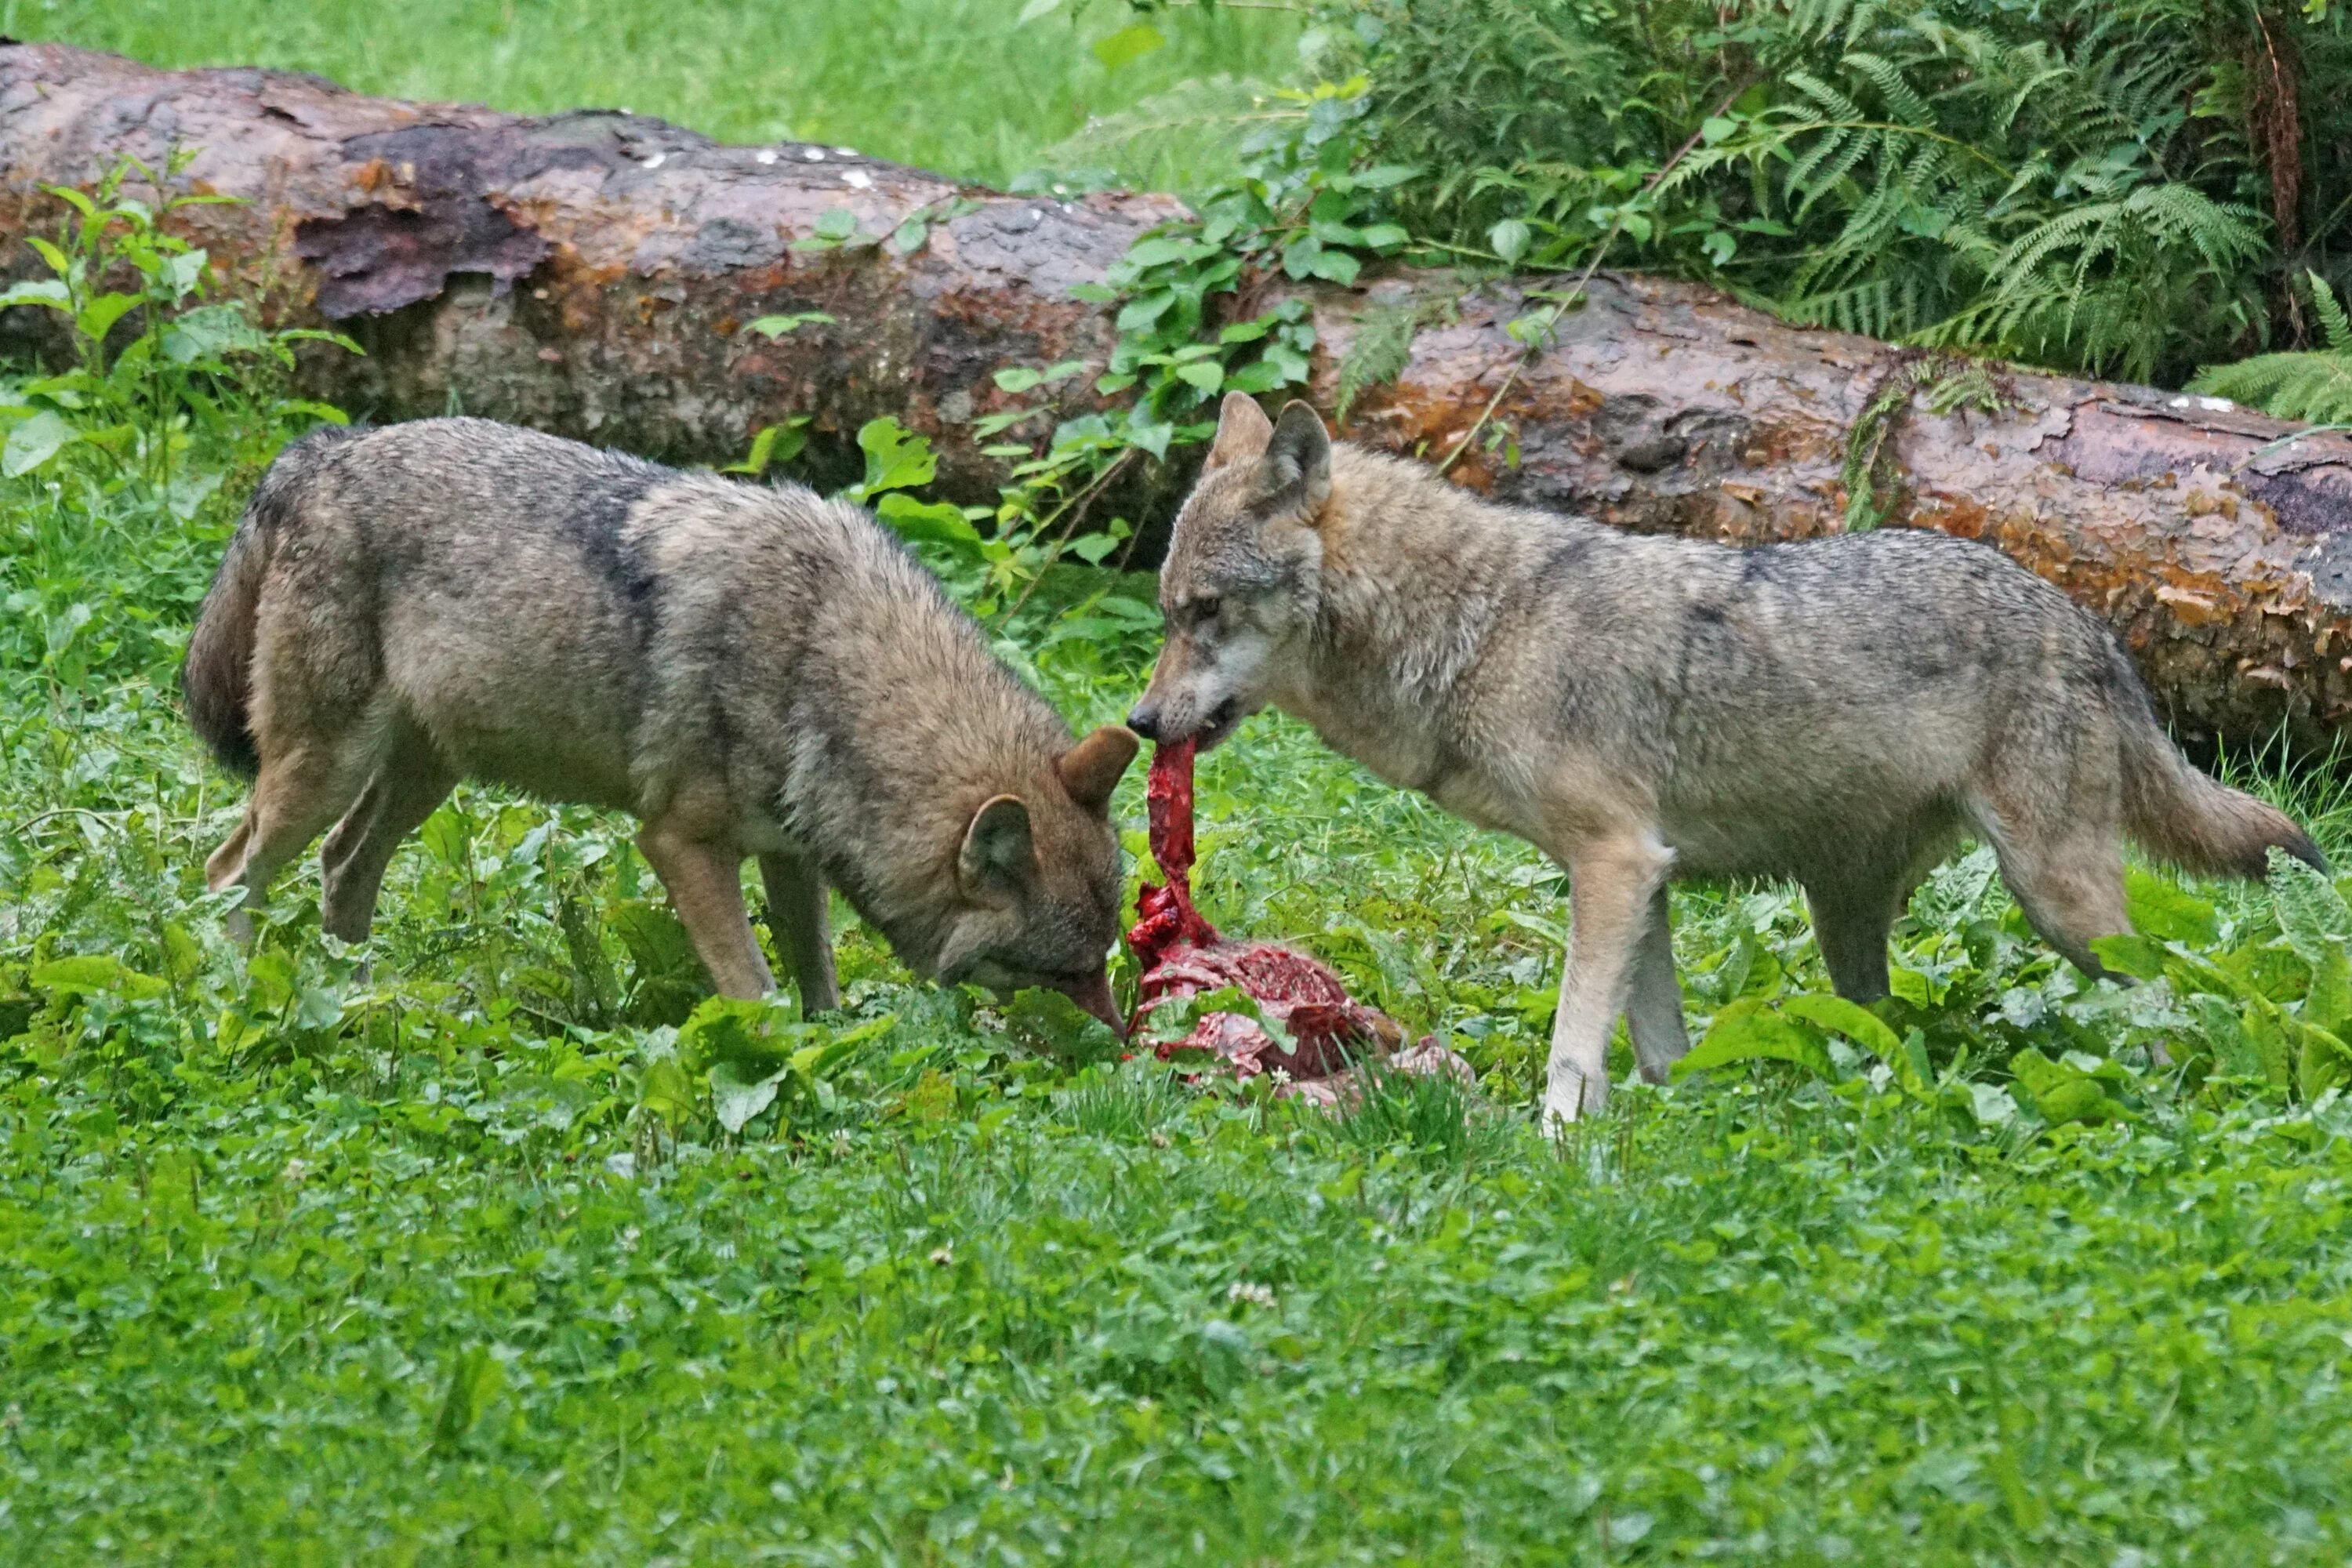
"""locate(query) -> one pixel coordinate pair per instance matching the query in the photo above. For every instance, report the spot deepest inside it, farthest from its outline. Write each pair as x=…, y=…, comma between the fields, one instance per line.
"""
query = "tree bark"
x=594, y=274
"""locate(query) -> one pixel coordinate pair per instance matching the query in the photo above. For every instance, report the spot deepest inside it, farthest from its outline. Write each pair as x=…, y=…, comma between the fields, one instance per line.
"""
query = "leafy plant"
x=2313, y=384
x=2089, y=186
x=132, y=404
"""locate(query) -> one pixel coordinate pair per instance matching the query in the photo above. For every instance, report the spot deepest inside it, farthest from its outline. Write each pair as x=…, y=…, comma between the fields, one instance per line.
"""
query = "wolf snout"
x=1144, y=720
x=1094, y=994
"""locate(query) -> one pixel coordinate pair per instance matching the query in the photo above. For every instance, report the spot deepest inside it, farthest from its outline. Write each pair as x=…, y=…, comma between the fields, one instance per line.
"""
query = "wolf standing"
x=750, y=670
x=1837, y=711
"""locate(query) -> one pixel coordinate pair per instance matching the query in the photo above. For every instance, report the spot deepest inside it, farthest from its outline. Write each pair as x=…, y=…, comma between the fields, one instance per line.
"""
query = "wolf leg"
x=1610, y=883
x=2071, y=889
x=1851, y=923
x=408, y=786
x=2061, y=854
x=796, y=917
x=706, y=888
x=1653, y=1009
x=298, y=795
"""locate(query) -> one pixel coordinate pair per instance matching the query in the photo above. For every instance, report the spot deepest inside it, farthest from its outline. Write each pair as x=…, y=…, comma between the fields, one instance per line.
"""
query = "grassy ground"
x=944, y=84
x=452, y=1260
x=453, y=1263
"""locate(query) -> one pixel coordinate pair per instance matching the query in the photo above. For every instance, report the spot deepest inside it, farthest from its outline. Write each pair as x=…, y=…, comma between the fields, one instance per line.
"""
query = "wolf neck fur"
x=1416, y=578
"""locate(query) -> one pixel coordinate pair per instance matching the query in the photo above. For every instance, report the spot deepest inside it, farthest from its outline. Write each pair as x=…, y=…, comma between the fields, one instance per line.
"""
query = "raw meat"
x=1183, y=954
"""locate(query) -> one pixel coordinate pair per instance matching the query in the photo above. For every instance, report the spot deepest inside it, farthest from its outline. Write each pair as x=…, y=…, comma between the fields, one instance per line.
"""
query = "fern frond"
x=1379, y=351
x=2315, y=386
x=2332, y=319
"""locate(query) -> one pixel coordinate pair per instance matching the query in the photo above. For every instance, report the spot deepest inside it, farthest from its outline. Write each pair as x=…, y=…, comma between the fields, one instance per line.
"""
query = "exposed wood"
x=594, y=273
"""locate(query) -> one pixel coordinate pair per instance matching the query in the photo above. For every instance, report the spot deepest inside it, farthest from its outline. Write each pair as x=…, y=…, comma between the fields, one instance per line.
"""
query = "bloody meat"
x=1183, y=954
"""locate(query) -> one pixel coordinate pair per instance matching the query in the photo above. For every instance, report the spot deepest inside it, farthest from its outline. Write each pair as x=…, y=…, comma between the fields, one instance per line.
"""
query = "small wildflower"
x=296, y=1169
x=1255, y=1294
x=943, y=1255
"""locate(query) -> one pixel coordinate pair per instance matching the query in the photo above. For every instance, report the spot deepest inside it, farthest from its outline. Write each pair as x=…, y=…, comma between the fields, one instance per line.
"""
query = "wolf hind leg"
x=706, y=888
x=410, y=783
x=797, y=918
x=300, y=793
x=2066, y=870
x=1653, y=1006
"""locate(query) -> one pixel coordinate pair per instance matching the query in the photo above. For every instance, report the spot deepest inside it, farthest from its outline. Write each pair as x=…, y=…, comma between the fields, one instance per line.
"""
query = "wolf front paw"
x=1570, y=1096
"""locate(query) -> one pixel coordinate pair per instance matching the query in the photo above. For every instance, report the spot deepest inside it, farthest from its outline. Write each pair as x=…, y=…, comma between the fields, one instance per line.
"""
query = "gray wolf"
x=1838, y=711
x=751, y=670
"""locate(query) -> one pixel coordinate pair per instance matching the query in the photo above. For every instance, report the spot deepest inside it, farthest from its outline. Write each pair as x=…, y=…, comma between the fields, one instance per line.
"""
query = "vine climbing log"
x=595, y=273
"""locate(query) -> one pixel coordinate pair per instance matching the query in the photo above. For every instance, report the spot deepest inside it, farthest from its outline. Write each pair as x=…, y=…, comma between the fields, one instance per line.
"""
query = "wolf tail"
x=2181, y=815
x=216, y=681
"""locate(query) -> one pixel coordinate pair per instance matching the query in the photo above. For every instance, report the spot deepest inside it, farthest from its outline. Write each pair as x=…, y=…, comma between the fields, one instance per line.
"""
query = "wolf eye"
x=1203, y=611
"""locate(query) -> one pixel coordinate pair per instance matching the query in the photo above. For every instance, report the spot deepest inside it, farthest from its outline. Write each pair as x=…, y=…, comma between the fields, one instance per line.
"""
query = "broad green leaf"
x=2061, y=1091
x=1157, y=251
x=2310, y=910
x=1865, y=1029
x=774, y=327
x=1991, y=1104
x=35, y=441
x=2324, y=1061
x=739, y=1092
x=49, y=291
x=1050, y=1023
x=2137, y=956
x=930, y=522
x=896, y=458
x=2328, y=1003
x=1510, y=238
x=773, y=444
x=476, y=1379
x=1747, y=1031
x=1129, y=45
x=98, y=317
x=95, y=972
x=2163, y=910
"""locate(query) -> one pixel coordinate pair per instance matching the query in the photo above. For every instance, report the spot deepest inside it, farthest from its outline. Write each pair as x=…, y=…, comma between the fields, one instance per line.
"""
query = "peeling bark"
x=591, y=273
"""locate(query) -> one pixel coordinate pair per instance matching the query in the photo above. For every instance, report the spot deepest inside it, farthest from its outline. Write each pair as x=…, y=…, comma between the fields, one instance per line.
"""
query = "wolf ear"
x=1299, y=455
x=997, y=852
x=1242, y=431
x=1090, y=770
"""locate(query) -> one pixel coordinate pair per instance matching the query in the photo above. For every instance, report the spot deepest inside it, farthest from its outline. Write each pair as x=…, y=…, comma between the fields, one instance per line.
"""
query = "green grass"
x=307, y=1268
x=952, y=85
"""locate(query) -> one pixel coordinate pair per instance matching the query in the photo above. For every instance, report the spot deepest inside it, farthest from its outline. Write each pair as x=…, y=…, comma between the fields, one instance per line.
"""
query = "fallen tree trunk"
x=594, y=273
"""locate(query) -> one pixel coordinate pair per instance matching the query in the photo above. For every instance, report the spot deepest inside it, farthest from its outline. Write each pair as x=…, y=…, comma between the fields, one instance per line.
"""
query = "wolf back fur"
x=1838, y=711
x=751, y=669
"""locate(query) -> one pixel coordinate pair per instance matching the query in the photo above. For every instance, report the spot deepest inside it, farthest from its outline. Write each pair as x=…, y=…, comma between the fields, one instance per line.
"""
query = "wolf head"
x=1039, y=882
x=1242, y=583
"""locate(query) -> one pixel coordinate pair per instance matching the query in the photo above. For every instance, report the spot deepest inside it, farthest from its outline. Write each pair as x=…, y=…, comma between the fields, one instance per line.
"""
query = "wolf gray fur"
x=1838, y=711
x=750, y=670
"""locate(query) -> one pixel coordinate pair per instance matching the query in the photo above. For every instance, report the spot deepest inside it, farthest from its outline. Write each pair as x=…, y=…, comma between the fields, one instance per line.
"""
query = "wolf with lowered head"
x=750, y=670
x=1837, y=711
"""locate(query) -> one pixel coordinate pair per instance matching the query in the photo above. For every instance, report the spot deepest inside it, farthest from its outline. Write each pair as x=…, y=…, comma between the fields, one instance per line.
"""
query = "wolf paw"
x=1570, y=1096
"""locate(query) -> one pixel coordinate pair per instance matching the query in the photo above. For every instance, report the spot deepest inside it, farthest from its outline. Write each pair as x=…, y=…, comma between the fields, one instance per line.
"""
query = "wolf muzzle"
x=1094, y=994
